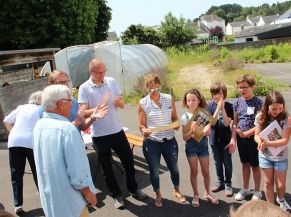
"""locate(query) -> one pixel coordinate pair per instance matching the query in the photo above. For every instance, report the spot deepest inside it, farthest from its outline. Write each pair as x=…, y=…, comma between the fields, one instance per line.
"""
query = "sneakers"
x=19, y=210
x=140, y=195
x=118, y=202
x=257, y=195
x=228, y=191
x=283, y=204
x=242, y=194
x=217, y=187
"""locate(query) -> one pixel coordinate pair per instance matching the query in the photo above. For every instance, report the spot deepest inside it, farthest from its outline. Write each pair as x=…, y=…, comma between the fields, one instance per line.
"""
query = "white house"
x=233, y=28
x=253, y=20
x=266, y=20
x=211, y=21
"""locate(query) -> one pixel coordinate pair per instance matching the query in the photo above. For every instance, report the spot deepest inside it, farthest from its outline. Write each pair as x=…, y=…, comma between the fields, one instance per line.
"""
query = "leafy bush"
x=231, y=64
x=262, y=86
x=224, y=53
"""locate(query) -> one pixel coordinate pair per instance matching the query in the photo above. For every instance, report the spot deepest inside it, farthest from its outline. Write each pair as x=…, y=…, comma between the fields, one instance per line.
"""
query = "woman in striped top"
x=157, y=110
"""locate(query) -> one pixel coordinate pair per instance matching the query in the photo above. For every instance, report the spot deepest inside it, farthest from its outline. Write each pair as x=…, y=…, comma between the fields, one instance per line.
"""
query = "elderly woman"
x=19, y=124
x=156, y=110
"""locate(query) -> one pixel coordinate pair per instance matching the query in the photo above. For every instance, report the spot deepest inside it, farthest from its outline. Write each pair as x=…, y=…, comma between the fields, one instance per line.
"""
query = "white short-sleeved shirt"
x=93, y=95
x=23, y=118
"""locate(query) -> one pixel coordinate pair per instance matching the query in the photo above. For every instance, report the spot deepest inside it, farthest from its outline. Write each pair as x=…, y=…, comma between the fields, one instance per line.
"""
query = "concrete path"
x=146, y=208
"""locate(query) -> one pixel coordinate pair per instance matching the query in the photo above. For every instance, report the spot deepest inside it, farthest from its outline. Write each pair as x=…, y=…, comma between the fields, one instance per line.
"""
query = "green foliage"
x=173, y=32
x=103, y=20
x=263, y=86
x=51, y=23
x=231, y=63
x=139, y=34
x=224, y=53
x=235, y=12
x=230, y=38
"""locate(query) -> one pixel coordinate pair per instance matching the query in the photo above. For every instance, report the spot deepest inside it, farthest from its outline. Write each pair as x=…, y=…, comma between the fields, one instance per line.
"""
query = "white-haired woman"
x=19, y=124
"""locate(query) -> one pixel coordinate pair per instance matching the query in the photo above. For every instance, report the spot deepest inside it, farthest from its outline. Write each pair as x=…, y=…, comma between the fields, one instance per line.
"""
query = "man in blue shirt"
x=63, y=172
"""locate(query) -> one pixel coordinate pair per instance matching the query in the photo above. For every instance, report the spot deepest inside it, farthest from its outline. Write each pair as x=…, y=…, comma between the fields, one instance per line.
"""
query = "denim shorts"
x=195, y=149
x=277, y=165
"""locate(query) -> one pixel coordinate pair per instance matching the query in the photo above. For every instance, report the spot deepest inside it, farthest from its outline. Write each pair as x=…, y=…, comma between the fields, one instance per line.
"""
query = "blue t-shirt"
x=246, y=112
x=220, y=134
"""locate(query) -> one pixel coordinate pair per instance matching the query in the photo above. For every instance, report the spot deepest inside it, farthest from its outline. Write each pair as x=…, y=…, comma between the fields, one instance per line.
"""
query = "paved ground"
x=137, y=208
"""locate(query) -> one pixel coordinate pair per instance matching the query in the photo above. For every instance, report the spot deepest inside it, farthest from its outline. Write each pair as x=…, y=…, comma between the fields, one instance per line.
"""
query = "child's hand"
x=231, y=147
x=206, y=130
x=194, y=126
x=262, y=144
x=221, y=103
x=240, y=133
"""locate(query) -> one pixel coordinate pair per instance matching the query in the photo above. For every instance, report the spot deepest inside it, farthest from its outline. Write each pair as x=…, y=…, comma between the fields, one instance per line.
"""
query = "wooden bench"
x=134, y=140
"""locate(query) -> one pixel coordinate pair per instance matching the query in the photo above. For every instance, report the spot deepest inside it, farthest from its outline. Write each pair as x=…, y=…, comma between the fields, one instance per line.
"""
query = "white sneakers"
x=257, y=195
x=242, y=194
x=283, y=204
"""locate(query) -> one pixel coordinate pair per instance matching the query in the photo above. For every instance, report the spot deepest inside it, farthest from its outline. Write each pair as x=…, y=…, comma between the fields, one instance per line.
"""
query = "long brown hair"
x=202, y=103
x=272, y=97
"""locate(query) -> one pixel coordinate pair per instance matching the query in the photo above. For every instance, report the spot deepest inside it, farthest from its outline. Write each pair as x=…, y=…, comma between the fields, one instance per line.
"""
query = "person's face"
x=98, y=72
x=245, y=90
x=192, y=101
x=65, y=106
x=62, y=79
x=154, y=89
x=275, y=109
x=218, y=96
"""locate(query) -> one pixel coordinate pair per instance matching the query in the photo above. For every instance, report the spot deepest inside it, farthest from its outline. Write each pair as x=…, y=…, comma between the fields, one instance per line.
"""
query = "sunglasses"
x=153, y=90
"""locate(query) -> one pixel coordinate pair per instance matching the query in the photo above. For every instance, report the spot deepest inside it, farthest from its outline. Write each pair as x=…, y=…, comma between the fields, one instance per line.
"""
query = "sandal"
x=182, y=199
x=211, y=199
x=159, y=202
x=195, y=201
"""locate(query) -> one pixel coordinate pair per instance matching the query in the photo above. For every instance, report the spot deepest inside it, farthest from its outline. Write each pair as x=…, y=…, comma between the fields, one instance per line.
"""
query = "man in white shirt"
x=107, y=133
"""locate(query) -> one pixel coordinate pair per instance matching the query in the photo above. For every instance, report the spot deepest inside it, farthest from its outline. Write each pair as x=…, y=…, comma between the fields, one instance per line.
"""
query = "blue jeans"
x=152, y=151
x=222, y=157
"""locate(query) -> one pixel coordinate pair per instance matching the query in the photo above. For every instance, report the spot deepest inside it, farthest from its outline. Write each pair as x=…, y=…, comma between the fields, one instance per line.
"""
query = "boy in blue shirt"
x=220, y=137
x=245, y=110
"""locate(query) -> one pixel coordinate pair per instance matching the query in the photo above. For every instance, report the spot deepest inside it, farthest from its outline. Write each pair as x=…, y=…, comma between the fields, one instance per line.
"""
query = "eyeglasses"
x=153, y=90
x=70, y=100
x=99, y=73
x=243, y=87
x=62, y=82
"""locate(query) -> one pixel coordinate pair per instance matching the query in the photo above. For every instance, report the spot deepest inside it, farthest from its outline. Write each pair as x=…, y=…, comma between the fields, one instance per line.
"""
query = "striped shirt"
x=157, y=117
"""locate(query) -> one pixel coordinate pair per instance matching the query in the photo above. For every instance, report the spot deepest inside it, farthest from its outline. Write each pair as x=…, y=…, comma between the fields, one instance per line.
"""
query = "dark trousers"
x=17, y=161
x=222, y=157
x=119, y=144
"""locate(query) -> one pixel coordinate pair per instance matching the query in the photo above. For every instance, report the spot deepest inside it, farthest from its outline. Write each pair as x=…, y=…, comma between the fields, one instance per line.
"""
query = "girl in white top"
x=196, y=151
x=274, y=168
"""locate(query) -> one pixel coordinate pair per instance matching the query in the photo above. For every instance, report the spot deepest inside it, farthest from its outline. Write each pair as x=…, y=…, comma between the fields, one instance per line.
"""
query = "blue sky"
x=152, y=12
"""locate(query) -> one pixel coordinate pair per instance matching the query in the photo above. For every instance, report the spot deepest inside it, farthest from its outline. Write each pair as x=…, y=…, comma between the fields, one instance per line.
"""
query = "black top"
x=220, y=135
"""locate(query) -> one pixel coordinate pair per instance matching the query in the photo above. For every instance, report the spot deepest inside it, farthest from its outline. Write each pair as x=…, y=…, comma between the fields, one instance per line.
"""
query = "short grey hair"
x=54, y=93
x=35, y=98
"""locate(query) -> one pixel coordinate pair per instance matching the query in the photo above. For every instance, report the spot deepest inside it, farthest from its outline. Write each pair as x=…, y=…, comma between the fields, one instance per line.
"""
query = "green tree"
x=103, y=20
x=139, y=34
x=175, y=32
x=46, y=23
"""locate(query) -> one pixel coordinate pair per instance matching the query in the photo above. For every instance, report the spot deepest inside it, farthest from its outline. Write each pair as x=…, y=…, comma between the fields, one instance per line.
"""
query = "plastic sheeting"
x=123, y=62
